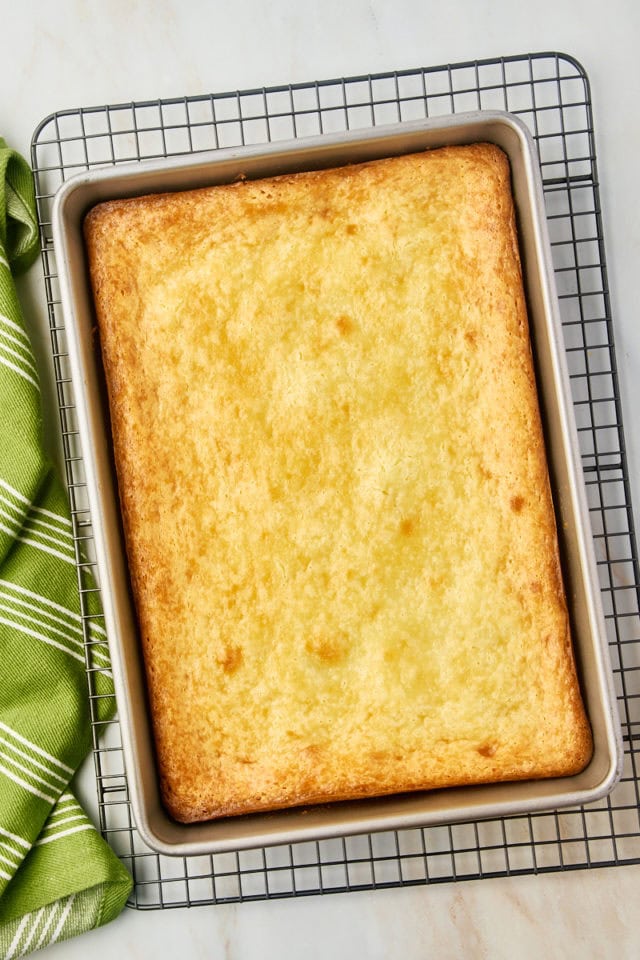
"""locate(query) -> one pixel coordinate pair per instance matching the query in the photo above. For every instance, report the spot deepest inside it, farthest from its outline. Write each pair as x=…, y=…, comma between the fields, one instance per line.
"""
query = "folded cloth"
x=58, y=877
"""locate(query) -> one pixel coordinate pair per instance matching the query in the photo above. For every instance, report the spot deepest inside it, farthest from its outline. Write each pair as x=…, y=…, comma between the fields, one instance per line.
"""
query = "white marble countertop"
x=82, y=52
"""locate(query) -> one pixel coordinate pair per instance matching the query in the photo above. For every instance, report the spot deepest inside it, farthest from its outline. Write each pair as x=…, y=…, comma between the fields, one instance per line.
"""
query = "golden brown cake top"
x=332, y=474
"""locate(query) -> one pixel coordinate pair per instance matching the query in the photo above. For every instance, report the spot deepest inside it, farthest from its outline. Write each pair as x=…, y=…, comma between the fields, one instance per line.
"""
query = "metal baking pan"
x=156, y=828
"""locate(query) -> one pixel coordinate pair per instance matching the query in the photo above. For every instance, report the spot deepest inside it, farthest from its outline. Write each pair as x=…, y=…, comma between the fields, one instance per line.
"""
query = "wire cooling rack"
x=550, y=93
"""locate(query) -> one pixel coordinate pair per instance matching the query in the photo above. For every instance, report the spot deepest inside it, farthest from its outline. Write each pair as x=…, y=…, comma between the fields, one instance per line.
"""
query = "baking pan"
x=428, y=808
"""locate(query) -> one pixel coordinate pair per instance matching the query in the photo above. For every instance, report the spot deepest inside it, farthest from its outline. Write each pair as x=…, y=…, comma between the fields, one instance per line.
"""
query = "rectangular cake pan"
x=156, y=828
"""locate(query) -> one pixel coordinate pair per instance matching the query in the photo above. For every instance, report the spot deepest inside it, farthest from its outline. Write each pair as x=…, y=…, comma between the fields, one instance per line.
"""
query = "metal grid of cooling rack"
x=550, y=92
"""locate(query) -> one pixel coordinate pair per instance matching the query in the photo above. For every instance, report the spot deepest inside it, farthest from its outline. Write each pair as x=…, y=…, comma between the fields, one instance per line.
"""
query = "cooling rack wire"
x=550, y=93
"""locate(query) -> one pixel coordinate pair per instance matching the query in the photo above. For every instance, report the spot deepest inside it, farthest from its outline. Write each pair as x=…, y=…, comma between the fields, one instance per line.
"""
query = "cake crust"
x=335, y=496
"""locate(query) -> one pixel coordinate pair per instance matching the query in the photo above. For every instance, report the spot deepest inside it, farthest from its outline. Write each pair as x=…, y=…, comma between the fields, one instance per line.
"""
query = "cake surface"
x=333, y=482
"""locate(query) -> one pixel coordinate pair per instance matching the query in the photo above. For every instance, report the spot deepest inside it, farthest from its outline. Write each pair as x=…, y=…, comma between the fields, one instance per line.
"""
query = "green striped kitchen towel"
x=58, y=877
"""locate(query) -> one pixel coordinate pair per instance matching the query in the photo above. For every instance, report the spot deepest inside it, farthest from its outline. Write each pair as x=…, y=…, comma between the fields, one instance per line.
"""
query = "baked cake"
x=334, y=490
